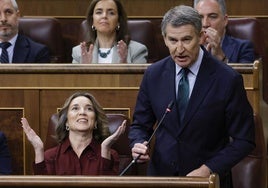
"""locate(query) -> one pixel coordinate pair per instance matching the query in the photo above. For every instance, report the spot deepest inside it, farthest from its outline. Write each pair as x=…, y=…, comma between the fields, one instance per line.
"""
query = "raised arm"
x=35, y=141
x=108, y=142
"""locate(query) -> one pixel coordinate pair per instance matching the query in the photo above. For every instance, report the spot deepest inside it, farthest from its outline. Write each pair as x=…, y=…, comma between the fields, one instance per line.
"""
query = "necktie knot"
x=4, y=45
x=184, y=72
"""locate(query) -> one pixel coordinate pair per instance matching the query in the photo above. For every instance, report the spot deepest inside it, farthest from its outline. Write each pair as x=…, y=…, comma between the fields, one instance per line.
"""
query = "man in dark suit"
x=20, y=48
x=5, y=158
x=217, y=128
x=223, y=47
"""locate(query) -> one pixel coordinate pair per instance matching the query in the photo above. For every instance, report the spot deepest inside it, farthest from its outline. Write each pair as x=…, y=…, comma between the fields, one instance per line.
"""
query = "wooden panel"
x=14, y=104
x=10, y=125
x=247, y=7
x=37, y=91
x=109, y=181
x=133, y=8
x=79, y=7
x=264, y=24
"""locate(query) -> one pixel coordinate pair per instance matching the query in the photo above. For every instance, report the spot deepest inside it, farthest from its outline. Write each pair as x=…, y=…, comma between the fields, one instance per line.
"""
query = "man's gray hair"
x=181, y=15
x=15, y=5
x=220, y=2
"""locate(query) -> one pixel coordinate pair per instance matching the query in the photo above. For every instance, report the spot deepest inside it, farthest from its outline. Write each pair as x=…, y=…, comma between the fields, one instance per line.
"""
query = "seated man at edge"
x=18, y=47
x=224, y=47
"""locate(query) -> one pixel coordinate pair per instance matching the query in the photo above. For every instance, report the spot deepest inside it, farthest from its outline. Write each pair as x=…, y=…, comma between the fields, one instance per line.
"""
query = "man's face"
x=8, y=20
x=183, y=44
x=212, y=16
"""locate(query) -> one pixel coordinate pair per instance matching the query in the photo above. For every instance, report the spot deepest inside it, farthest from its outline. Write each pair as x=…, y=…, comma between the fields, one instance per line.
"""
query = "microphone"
x=168, y=109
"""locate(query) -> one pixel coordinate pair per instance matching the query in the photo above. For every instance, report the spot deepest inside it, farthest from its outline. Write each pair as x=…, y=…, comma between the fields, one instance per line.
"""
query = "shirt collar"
x=66, y=144
x=13, y=40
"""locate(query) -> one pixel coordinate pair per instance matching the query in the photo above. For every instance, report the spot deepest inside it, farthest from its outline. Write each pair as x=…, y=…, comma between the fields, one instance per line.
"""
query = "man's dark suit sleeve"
x=28, y=51
x=238, y=50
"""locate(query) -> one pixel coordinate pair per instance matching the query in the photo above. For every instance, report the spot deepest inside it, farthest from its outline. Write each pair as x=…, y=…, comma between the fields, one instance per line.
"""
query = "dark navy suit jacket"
x=217, y=110
x=238, y=50
x=29, y=51
x=5, y=158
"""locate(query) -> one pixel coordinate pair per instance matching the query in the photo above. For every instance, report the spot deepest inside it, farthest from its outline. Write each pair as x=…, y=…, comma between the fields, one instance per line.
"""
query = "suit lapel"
x=170, y=95
x=228, y=46
x=95, y=53
x=20, y=55
x=203, y=83
x=115, y=58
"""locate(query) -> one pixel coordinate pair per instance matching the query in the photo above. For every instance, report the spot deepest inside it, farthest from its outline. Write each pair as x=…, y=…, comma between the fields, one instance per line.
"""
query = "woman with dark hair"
x=108, y=39
x=84, y=142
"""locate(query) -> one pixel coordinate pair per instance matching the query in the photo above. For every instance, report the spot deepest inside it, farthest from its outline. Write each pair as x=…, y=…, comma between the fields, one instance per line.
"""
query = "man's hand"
x=212, y=42
x=142, y=150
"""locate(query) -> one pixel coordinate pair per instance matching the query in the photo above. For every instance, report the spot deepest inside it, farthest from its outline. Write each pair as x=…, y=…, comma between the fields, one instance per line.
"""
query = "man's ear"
x=226, y=20
x=18, y=13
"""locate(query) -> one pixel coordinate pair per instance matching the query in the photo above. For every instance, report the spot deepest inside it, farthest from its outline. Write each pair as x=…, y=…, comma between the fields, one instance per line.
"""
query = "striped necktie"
x=4, y=55
x=183, y=93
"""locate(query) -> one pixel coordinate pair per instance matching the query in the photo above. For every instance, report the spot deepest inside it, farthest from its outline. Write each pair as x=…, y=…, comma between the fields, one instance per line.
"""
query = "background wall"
x=79, y=7
x=133, y=7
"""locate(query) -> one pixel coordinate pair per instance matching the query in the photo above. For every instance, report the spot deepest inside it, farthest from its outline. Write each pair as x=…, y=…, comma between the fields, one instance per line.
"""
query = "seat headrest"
x=250, y=29
x=44, y=30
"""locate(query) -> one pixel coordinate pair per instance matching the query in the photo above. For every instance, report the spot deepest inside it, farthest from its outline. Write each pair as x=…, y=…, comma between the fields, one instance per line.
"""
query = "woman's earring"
x=67, y=127
x=118, y=27
x=95, y=125
x=93, y=28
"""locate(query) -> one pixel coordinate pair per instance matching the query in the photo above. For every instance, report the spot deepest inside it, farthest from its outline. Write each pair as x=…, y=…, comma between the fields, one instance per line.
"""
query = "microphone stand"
x=159, y=123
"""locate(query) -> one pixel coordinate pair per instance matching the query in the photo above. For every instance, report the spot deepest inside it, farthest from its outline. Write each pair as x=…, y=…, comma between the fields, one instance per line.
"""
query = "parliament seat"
x=250, y=29
x=251, y=172
x=140, y=30
x=121, y=145
x=45, y=30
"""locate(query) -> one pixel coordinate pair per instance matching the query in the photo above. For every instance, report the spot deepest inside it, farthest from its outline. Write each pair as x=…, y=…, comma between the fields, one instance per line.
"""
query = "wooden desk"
x=108, y=182
x=36, y=91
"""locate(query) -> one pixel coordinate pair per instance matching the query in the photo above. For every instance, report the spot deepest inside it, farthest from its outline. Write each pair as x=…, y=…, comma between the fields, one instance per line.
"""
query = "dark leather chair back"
x=45, y=30
x=140, y=30
x=143, y=31
x=121, y=145
x=250, y=29
x=251, y=172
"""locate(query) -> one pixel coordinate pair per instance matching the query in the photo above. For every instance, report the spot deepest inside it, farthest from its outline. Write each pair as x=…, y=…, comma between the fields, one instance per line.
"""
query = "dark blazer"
x=217, y=110
x=28, y=51
x=5, y=158
x=238, y=50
